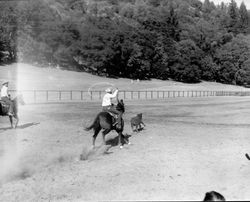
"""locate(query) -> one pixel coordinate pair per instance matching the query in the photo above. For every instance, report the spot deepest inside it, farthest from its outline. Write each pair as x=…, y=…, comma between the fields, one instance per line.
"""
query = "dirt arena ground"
x=189, y=146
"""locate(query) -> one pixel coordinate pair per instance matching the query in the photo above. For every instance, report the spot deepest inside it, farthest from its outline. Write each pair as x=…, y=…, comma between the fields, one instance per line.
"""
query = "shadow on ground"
x=26, y=125
x=114, y=142
x=19, y=127
x=5, y=128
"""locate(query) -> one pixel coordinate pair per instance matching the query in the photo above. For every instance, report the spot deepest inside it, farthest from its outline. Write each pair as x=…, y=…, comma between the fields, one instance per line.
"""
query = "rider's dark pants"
x=9, y=102
x=115, y=111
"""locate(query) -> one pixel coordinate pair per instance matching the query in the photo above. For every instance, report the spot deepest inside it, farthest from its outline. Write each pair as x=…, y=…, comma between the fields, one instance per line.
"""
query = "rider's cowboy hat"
x=5, y=82
x=108, y=90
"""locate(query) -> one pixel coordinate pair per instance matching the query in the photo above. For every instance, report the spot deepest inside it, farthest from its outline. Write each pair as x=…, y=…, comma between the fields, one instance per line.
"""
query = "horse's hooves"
x=121, y=147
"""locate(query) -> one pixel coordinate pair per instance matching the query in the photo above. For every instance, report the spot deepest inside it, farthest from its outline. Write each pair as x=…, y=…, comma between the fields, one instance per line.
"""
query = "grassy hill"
x=28, y=77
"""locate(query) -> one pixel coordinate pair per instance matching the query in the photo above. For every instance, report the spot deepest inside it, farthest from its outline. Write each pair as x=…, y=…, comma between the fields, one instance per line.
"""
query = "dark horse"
x=105, y=121
x=4, y=109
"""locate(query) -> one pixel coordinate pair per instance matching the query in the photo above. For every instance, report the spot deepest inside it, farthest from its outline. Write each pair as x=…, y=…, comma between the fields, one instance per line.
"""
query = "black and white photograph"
x=124, y=100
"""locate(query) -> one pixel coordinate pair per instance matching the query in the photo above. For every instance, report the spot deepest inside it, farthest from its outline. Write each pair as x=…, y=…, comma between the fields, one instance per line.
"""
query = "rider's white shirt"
x=4, y=91
x=106, y=100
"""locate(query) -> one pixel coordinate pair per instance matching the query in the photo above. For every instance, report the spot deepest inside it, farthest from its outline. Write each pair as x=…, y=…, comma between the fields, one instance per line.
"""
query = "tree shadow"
x=114, y=142
x=5, y=128
x=19, y=127
x=27, y=125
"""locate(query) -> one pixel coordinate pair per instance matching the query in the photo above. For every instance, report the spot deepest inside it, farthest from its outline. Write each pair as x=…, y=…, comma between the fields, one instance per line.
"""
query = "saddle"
x=4, y=108
x=113, y=115
x=114, y=118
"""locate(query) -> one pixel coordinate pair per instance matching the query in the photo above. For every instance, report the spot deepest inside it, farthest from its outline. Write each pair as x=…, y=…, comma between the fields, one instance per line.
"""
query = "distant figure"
x=213, y=196
x=137, y=122
x=6, y=97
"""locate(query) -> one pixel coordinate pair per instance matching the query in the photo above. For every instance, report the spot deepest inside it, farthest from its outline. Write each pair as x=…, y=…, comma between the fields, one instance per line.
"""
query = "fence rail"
x=42, y=96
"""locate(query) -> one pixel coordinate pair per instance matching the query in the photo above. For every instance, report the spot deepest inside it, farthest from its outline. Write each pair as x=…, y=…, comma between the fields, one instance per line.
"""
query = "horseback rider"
x=109, y=107
x=6, y=98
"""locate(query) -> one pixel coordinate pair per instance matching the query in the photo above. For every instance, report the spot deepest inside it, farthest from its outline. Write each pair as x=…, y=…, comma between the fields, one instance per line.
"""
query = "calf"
x=137, y=122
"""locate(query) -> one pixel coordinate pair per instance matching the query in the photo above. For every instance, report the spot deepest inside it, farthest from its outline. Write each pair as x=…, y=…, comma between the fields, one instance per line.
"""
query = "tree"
x=243, y=19
x=187, y=69
x=234, y=15
x=231, y=57
x=8, y=32
x=154, y=3
x=173, y=23
x=209, y=69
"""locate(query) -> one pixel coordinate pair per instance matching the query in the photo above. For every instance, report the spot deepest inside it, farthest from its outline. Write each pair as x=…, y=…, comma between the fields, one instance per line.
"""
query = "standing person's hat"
x=5, y=82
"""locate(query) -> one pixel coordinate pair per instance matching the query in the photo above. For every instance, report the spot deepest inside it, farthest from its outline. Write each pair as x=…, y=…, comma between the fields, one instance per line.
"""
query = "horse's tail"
x=94, y=124
x=1, y=110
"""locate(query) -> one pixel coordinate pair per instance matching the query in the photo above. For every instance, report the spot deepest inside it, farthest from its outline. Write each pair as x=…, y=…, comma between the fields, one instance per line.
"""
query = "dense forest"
x=182, y=40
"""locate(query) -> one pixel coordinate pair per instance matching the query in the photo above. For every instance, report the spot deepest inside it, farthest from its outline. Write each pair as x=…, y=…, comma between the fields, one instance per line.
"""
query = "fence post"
x=100, y=95
x=160, y=94
x=34, y=96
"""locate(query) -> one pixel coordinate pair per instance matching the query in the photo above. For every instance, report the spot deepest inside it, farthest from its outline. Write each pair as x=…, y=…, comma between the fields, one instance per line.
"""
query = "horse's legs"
x=120, y=135
x=97, y=130
x=136, y=128
x=11, y=121
x=105, y=132
x=126, y=140
x=17, y=120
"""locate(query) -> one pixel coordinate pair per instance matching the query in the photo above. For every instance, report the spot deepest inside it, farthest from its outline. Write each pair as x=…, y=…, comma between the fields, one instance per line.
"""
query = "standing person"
x=5, y=97
x=108, y=106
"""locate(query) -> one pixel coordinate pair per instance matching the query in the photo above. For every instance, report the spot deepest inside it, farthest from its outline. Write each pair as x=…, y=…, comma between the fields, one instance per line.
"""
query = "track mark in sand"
x=213, y=124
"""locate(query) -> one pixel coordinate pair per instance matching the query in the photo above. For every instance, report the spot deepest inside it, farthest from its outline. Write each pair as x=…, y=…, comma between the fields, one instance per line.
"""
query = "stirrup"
x=119, y=126
x=10, y=114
